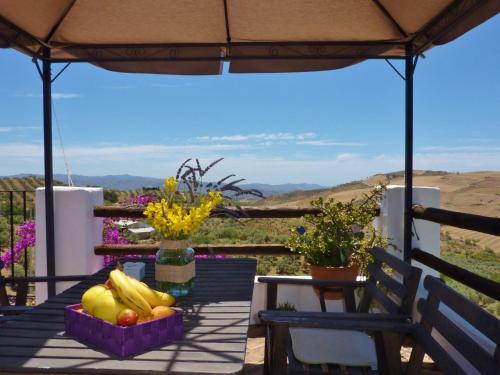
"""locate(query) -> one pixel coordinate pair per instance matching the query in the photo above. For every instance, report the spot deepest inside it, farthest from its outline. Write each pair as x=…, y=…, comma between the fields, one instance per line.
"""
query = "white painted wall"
x=426, y=233
x=77, y=231
x=429, y=240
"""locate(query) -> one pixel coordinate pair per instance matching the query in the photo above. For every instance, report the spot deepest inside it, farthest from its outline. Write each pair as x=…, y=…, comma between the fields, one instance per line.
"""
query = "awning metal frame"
x=410, y=63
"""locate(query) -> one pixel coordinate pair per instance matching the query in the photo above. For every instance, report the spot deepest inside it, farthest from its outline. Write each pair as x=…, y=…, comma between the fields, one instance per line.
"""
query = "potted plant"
x=336, y=242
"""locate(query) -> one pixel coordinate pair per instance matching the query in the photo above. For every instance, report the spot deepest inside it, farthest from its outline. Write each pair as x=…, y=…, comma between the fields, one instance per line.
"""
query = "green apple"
x=90, y=297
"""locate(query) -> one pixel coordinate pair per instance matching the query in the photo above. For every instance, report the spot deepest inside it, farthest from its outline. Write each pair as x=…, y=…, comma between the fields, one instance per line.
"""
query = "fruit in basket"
x=125, y=300
x=162, y=312
x=108, y=306
x=143, y=319
x=153, y=297
x=128, y=293
x=127, y=317
x=90, y=297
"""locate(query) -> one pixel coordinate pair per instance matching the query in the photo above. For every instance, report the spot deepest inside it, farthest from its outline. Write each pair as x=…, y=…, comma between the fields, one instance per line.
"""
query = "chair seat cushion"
x=341, y=347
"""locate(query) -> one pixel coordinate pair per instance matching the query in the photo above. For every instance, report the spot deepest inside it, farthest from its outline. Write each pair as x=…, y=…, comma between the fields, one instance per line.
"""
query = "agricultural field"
x=475, y=192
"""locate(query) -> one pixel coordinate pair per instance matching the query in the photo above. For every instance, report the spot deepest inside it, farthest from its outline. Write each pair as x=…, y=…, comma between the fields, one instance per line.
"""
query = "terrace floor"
x=254, y=360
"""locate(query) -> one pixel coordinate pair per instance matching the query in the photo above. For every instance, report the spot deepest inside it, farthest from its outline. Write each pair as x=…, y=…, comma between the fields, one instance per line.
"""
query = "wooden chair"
x=393, y=296
x=452, y=343
x=466, y=335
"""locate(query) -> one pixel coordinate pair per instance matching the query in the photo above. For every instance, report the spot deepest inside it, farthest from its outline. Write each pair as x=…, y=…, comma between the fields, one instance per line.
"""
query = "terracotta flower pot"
x=333, y=273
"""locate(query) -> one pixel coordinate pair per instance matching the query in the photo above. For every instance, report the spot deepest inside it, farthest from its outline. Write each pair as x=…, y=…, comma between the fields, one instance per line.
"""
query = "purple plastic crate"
x=122, y=341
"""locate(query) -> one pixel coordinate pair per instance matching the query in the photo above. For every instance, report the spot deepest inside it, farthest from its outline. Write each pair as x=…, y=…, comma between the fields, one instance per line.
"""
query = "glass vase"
x=175, y=267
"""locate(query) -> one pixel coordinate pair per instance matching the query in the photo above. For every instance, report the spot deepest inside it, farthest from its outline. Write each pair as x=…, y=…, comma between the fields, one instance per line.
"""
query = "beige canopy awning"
x=196, y=36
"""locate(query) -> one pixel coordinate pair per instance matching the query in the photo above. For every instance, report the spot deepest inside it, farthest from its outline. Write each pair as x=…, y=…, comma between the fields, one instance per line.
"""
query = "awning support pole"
x=48, y=166
x=408, y=199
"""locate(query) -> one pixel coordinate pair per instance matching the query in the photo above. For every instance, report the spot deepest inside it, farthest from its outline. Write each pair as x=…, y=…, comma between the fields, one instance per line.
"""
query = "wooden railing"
x=472, y=280
x=490, y=225
x=251, y=212
x=206, y=249
x=201, y=249
x=478, y=223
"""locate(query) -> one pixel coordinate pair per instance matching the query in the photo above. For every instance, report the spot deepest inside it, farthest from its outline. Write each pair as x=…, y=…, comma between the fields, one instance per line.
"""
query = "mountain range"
x=128, y=182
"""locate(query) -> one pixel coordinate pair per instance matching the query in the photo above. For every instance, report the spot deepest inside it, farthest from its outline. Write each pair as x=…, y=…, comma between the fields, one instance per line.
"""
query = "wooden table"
x=216, y=318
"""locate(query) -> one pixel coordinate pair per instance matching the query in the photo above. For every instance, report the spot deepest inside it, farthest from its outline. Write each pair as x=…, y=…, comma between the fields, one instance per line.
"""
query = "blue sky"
x=324, y=127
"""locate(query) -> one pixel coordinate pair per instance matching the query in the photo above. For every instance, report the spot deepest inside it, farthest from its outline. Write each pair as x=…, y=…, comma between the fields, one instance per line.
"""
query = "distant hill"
x=471, y=192
x=27, y=183
x=23, y=183
x=127, y=182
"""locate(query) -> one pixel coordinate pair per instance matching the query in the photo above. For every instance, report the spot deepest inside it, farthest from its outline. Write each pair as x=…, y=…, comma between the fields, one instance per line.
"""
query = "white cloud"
x=458, y=161
x=11, y=129
x=346, y=157
x=162, y=160
x=118, y=87
x=473, y=148
x=170, y=85
x=258, y=137
x=329, y=143
x=65, y=95
x=115, y=151
x=55, y=95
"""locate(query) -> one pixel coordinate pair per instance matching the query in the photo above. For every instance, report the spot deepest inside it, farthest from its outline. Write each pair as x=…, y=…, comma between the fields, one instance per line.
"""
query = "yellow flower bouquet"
x=174, y=216
x=184, y=204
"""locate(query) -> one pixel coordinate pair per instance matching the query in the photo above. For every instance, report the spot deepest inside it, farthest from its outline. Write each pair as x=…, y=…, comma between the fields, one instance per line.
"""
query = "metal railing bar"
x=11, y=211
x=25, y=248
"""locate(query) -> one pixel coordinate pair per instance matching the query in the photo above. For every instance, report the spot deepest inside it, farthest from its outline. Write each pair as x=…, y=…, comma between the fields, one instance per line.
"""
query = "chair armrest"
x=349, y=321
x=318, y=283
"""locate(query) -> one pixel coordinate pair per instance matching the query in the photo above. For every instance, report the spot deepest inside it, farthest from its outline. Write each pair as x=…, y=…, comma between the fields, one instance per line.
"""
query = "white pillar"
x=77, y=231
x=391, y=221
x=426, y=234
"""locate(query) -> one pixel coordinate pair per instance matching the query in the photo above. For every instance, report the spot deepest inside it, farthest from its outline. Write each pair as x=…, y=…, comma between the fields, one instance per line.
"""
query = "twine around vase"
x=173, y=273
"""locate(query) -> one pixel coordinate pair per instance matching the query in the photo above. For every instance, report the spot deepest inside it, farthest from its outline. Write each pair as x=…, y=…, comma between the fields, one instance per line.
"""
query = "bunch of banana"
x=153, y=297
x=137, y=295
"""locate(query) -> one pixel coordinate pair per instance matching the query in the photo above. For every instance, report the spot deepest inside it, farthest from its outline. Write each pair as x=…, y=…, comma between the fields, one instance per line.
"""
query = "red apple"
x=127, y=317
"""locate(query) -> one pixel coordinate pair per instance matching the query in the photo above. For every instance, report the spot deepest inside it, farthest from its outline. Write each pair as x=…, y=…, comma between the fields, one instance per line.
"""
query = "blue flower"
x=301, y=230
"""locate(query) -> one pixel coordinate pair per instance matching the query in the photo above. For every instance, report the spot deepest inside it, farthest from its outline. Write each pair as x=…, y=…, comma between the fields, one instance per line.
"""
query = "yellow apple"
x=108, y=306
x=89, y=298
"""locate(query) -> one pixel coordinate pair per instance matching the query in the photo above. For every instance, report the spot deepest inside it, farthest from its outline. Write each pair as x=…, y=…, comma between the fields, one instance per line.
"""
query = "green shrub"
x=285, y=306
x=263, y=268
x=342, y=234
x=288, y=265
